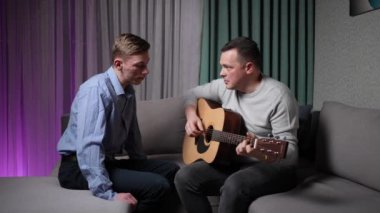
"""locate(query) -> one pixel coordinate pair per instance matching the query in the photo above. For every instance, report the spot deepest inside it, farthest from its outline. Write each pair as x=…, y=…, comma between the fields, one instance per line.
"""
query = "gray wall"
x=347, y=55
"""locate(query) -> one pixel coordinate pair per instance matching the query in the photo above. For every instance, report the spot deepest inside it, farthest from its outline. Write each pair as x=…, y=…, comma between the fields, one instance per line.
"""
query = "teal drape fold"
x=283, y=29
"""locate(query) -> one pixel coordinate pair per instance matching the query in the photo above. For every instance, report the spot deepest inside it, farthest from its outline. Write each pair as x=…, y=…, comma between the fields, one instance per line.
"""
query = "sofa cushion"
x=162, y=125
x=348, y=143
x=43, y=194
x=321, y=193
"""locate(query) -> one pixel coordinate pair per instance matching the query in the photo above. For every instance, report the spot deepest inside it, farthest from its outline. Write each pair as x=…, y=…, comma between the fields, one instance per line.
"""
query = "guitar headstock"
x=269, y=149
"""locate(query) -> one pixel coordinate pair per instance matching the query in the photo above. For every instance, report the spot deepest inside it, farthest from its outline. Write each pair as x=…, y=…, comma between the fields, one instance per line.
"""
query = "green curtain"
x=283, y=29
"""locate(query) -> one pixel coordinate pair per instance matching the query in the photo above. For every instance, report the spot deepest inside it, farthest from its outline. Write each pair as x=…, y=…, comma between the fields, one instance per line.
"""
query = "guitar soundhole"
x=201, y=140
x=208, y=133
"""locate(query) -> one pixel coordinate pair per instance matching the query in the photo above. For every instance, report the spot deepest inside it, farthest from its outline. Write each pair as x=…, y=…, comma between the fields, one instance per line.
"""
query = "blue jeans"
x=237, y=184
x=150, y=181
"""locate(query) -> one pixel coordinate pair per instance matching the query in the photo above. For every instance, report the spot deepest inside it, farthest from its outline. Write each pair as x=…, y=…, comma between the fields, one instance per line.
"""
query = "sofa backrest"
x=162, y=125
x=161, y=122
x=348, y=143
x=165, y=119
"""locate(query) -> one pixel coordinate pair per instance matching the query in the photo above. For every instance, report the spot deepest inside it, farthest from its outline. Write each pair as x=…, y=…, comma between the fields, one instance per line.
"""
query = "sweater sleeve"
x=284, y=119
x=212, y=91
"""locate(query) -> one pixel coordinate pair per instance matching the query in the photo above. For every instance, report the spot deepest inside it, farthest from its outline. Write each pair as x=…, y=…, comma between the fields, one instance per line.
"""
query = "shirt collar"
x=115, y=81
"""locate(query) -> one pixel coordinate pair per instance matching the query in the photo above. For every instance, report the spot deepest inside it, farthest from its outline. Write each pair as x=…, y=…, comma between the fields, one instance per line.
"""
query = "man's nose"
x=222, y=73
x=146, y=71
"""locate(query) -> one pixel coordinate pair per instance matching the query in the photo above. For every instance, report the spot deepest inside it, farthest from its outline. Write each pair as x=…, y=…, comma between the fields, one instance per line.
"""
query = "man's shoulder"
x=99, y=82
x=276, y=85
x=95, y=80
x=277, y=90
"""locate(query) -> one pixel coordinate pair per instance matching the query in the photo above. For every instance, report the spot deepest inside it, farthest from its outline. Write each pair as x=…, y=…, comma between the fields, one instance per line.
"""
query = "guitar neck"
x=270, y=149
x=226, y=137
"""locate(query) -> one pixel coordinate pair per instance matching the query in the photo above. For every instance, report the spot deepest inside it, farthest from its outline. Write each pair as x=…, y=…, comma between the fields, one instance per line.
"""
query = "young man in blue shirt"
x=102, y=123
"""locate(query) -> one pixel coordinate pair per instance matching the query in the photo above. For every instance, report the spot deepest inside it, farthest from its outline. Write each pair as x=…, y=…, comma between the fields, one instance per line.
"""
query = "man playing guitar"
x=267, y=107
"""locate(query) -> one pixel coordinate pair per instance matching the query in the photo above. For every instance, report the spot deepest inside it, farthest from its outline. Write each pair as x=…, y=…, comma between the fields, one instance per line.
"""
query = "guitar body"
x=202, y=147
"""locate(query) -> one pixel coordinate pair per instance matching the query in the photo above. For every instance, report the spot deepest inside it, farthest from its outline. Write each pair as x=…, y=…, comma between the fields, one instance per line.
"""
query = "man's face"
x=134, y=68
x=233, y=71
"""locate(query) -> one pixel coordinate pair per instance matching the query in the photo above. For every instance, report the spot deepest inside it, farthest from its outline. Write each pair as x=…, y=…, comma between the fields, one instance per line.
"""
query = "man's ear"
x=117, y=63
x=249, y=67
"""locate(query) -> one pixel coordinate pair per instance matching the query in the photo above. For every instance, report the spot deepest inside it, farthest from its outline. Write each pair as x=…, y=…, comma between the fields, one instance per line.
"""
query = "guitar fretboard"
x=225, y=137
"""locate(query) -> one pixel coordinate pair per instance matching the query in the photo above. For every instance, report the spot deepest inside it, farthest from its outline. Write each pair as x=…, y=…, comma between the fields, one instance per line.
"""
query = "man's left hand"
x=246, y=147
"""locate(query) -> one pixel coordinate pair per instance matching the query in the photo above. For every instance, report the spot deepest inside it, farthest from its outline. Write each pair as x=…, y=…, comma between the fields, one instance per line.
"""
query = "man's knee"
x=181, y=177
x=186, y=178
x=232, y=187
x=160, y=187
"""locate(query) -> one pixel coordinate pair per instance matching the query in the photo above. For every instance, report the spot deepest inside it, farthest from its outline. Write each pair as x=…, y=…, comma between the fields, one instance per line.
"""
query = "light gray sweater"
x=270, y=110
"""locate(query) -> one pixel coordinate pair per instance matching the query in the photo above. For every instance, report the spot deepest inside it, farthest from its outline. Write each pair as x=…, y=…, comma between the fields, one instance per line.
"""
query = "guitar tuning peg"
x=270, y=135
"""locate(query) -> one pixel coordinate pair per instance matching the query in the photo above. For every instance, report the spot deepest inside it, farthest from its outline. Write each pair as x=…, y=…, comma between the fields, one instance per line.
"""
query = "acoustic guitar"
x=224, y=130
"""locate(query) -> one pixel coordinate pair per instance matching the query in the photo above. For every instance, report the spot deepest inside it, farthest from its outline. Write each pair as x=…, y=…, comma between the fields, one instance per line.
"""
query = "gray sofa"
x=338, y=173
x=346, y=177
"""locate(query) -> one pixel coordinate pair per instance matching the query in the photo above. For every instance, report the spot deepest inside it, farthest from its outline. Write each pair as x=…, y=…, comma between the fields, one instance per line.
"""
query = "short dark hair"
x=129, y=44
x=247, y=50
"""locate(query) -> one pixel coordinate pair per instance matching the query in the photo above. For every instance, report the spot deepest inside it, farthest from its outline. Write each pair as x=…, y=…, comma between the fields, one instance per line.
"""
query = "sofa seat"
x=321, y=193
x=43, y=194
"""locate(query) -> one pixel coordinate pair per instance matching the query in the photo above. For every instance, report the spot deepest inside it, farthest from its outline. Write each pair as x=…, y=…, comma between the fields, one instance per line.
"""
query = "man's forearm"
x=190, y=110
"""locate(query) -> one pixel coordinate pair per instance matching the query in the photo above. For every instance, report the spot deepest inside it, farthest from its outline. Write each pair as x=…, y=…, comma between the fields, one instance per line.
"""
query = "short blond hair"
x=129, y=44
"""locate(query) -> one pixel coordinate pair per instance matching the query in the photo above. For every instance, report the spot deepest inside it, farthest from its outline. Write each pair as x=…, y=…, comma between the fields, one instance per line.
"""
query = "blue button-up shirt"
x=101, y=125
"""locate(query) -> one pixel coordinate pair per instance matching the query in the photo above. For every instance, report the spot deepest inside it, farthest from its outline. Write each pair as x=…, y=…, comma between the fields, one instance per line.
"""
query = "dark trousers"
x=237, y=185
x=150, y=181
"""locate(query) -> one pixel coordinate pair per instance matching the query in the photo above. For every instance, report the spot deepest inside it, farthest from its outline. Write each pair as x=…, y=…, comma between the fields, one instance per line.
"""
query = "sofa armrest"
x=43, y=194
